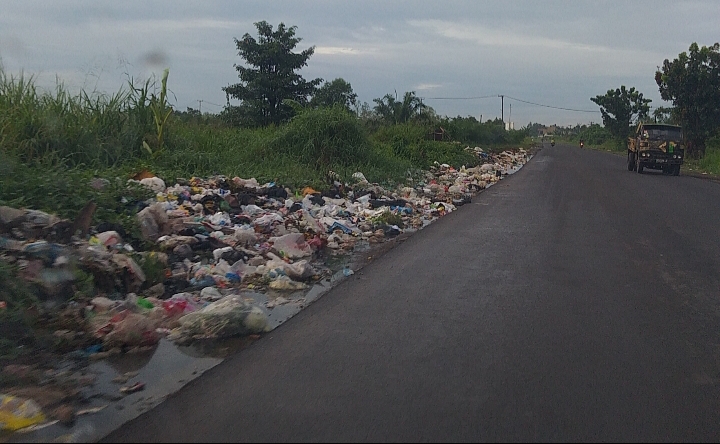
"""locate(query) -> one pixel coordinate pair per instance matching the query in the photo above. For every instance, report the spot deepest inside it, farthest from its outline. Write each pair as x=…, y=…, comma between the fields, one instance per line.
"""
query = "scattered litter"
x=138, y=386
x=36, y=427
x=90, y=410
x=125, y=377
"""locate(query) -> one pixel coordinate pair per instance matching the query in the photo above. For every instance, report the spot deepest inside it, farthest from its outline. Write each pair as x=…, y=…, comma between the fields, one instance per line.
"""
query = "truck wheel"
x=676, y=170
x=640, y=167
x=631, y=161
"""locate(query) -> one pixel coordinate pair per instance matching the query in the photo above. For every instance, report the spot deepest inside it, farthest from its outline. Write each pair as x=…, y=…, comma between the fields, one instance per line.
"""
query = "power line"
x=201, y=101
x=553, y=107
x=214, y=104
x=512, y=98
x=458, y=98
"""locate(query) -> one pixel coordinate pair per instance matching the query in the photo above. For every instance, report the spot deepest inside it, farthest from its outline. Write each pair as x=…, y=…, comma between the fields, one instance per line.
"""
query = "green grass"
x=710, y=162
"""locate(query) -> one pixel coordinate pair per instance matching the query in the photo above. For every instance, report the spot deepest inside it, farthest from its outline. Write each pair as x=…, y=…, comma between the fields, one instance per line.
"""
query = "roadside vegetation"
x=691, y=83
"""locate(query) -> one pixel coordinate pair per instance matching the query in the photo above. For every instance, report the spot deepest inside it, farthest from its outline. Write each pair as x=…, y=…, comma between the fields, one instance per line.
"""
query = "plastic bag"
x=285, y=283
x=252, y=210
x=109, y=238
x=131, y=329
x=312, y=223
x=230, y=316
x=291, y=245
x=245, y=235
x=17, y=413
x=268, y=219
x=180, y=303
x=154, y=183
x=299, y=270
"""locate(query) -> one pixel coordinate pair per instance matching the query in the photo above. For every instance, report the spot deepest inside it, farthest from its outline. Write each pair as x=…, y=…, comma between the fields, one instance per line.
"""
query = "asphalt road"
x=573, y=300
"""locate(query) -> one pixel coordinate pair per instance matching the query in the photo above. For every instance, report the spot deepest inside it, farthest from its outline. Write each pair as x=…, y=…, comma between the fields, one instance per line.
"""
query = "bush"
x=711, y=159
x=469, y=131
x=410, y=142
x=322, y=138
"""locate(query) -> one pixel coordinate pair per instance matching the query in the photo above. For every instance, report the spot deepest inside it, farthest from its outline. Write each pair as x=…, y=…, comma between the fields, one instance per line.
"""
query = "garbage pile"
x=213, y=238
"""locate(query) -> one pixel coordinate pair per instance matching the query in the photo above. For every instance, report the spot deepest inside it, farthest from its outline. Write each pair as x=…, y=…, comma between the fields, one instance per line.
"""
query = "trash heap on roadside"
x=212, y=238
x=204, y=242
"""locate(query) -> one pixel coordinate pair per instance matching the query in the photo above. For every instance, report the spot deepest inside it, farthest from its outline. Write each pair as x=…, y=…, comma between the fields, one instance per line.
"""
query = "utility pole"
x=502, y=107
x=200, y=109
x=510, y=117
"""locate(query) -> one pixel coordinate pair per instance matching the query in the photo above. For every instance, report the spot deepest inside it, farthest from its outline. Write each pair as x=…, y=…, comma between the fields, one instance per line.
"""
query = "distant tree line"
x=691, y=83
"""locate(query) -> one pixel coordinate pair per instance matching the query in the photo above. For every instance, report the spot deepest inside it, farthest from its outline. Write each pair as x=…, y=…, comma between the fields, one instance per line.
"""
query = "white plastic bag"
x=230, y=316
x=291, y=245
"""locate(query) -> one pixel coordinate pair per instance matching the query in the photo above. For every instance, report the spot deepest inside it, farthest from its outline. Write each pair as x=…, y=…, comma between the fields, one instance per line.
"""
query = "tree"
x=663, y=114
x=692, y=83
x=533, y=129
x=270, y=77
x=393, y=111
x=620, y=108
x=337, y=92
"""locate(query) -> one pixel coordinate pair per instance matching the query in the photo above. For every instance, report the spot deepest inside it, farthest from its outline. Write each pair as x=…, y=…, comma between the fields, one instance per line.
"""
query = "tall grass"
x=297, y=154
x=323, y=138
x=710, y=162
x=94, y=130
x=410, y=141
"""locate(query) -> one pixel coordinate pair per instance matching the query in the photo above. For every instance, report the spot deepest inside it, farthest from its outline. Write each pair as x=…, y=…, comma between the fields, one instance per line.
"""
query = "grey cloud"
x=553, y=52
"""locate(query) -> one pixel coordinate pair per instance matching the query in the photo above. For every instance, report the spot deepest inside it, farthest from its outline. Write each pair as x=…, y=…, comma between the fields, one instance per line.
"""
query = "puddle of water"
x=164, y=370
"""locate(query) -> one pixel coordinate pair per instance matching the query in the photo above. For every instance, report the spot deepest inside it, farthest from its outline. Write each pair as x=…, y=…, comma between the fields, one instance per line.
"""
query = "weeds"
x=710, y=162
x=161, y=111
x=389, y=218
x=54, y=187
x=152, y=267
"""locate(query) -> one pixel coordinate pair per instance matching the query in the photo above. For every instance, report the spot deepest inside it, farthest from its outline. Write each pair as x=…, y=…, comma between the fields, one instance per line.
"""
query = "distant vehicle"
x=656, y=146
x=582, y=143
x=552, y=142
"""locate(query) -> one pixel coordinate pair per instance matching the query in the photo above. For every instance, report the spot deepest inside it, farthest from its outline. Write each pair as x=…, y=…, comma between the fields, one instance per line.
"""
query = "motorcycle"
x=582, y=144
x=552, y=143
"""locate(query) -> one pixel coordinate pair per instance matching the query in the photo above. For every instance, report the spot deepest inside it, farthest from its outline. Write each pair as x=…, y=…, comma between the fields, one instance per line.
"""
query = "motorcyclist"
x=582, y=143
x=552, y=142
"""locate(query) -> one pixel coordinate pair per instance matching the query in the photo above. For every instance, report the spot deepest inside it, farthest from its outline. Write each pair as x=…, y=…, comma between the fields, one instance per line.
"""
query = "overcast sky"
x=554, y=53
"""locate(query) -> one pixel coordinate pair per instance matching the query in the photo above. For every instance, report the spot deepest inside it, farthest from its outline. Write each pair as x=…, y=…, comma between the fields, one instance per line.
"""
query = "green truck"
x=656, y=146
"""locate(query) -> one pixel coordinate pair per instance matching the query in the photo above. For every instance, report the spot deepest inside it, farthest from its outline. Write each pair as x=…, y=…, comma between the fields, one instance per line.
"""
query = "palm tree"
x=394, y=112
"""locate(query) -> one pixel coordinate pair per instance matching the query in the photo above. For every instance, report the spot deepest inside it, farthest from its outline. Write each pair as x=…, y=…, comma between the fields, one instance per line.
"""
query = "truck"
x=656, y=146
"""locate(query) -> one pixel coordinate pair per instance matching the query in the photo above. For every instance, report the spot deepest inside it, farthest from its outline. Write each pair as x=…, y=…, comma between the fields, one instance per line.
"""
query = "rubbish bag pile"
x=212, y=238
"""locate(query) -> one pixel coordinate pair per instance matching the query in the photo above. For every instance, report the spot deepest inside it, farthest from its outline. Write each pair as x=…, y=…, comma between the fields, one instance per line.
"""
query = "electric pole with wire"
x=502, y=107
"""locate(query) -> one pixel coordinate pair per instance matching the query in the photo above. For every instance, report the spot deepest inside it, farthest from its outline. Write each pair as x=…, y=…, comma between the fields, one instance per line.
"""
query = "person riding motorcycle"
x=552, y=142
x=582, y=143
